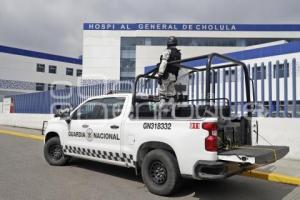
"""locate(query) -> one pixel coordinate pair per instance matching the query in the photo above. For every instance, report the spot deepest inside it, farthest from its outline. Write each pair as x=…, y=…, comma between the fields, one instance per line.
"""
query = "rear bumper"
x=214, y=170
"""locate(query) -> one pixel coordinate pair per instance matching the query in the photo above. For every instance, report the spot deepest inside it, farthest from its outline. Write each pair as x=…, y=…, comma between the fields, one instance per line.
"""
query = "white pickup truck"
x=128, y=130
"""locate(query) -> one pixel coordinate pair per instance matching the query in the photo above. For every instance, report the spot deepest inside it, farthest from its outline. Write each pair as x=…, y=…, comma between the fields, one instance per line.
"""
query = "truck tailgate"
x=254, y=154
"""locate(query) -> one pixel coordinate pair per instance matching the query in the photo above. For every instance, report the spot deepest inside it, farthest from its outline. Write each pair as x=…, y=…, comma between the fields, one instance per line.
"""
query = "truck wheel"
x=53, y=152
x=160, y=172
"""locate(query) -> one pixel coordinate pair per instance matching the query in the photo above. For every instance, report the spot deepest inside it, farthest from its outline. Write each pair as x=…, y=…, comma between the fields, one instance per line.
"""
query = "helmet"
x=172, y=41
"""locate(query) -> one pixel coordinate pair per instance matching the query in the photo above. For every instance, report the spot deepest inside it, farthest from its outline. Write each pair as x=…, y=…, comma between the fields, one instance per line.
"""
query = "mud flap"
x=254, y=154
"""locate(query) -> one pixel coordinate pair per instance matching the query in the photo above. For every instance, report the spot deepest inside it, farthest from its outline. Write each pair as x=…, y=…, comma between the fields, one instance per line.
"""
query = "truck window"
x=150, y=110
x=145, y=110
x=106, y=108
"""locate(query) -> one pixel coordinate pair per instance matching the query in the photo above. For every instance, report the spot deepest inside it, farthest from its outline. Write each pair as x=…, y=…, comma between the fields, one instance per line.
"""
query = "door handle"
x=114, y=127
x=85, y=126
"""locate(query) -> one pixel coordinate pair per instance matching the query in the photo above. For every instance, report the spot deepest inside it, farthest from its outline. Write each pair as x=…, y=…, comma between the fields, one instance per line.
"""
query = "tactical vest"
x=172, y=68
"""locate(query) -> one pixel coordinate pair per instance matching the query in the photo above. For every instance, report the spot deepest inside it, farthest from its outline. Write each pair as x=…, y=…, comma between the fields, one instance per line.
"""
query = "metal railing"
x=275, y=86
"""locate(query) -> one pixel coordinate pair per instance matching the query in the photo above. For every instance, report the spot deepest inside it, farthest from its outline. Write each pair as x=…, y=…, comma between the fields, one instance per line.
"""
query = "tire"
x=53, y=152
x=160, y=172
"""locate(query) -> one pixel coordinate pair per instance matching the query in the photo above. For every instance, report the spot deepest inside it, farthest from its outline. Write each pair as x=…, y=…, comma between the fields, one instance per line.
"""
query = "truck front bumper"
x=214, y=170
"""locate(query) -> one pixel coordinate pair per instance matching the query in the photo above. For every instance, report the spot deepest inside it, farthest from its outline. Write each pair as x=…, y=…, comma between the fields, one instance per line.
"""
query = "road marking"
x=23, y=135
x=273, y=177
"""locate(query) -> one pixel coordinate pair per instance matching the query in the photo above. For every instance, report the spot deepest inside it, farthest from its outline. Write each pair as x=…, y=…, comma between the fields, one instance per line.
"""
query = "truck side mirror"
x=63, y=112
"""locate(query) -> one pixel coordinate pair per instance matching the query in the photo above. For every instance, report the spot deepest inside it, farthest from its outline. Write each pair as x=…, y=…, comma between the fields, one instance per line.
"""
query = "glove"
x=159, y=79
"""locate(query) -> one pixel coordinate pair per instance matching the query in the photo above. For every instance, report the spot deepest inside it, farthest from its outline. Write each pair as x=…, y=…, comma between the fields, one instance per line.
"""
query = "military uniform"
x=167, y=73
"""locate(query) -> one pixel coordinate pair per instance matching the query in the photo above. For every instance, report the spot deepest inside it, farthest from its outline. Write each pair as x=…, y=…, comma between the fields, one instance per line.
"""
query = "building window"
x=213, y=77
x=39, y=86
x=197, y=41
x=148, y=41
x=67, y=86
x=52, y=69
x=260, y=71
x=128, y=53
x=127, y=61
x=230, y=74
x=40, y=67
x=79, y=72
x=69, y=72
x=51, y=86
x=280, y=71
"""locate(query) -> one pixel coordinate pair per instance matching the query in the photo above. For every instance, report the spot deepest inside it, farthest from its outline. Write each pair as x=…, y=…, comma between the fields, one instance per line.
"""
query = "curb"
x=23, y=135
x=279, y=178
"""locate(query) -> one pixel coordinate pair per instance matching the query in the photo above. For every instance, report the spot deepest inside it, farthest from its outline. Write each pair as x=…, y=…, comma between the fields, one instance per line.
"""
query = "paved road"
x=24, y=174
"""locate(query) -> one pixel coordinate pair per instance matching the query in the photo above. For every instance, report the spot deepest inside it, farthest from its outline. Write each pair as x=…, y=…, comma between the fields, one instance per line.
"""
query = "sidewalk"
x=283, y=171
x=21, y=130
x=33, y=134
x=283, y=166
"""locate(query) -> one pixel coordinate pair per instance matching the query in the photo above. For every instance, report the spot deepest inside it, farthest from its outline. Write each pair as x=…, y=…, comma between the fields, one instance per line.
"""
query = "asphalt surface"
x=24, y=174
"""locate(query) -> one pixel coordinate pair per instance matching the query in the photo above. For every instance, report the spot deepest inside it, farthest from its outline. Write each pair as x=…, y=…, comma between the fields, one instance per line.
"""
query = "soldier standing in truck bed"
x=168, y=73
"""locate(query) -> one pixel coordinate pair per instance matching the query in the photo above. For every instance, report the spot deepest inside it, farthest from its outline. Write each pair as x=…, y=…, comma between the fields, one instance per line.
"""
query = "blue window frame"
x=280, y=71
x=260, y=71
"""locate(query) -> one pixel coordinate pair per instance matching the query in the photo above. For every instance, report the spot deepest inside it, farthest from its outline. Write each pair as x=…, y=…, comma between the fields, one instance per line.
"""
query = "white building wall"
x=101, y=55
x=18, y=74
x=23, y=68
x=101, y=48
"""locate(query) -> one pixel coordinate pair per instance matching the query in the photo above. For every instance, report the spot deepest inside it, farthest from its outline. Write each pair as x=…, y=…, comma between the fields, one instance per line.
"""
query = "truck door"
x=95, y=129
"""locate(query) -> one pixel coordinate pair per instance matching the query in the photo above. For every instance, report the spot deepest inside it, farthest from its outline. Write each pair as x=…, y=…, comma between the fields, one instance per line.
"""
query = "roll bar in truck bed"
x=230, y=63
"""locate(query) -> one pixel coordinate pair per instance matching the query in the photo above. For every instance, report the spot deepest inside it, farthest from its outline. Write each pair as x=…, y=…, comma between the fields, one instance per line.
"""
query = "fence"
x=274, y=89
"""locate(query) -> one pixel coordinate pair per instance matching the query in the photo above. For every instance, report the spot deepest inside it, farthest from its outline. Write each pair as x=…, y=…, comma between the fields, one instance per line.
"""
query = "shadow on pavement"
x=237, y=187
x=117, y=171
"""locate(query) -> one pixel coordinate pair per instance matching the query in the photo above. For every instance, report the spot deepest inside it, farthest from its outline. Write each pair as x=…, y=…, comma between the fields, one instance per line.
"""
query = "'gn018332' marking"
x=157, y=126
